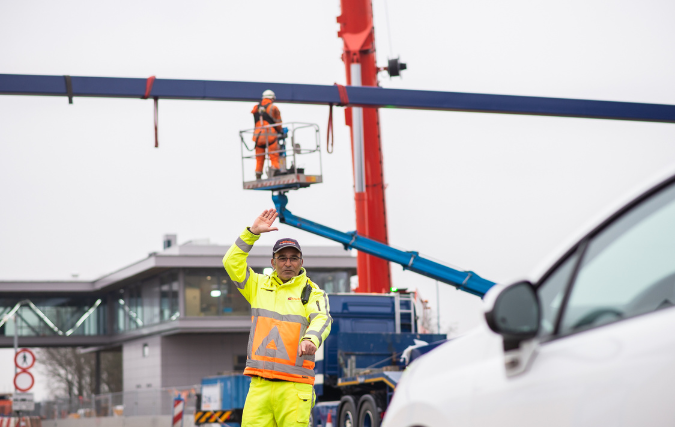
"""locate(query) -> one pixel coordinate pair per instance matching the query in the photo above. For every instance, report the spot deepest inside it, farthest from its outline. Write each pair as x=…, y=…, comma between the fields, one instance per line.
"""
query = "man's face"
x=287, y=263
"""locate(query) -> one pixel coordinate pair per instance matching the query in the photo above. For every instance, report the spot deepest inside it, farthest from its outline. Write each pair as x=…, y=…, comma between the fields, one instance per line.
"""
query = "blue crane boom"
x=467, y=281
x=362, y=96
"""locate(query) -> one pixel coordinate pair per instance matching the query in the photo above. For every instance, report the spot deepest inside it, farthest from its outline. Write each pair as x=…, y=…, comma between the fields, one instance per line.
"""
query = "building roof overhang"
x=183, y=256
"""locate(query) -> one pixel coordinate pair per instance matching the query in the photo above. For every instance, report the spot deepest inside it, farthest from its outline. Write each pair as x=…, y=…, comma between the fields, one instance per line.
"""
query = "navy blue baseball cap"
x=286, y=243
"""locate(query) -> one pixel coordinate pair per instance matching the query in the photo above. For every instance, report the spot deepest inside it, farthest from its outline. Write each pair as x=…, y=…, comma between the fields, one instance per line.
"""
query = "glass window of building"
x=201, y=292
x=120, y=313
x=53, y=316
x=129, y=310
x=135, y=307
x=168, y=290
x=330, y=281
x=150, y=300
x=232, y=302
x=210, y=292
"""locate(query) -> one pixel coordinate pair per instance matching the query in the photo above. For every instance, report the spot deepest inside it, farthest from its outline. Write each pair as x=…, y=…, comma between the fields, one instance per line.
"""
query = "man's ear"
x=272, y=263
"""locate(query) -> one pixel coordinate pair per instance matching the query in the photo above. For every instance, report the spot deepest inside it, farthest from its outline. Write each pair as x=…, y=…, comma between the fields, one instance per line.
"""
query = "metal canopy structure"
x=358, y=96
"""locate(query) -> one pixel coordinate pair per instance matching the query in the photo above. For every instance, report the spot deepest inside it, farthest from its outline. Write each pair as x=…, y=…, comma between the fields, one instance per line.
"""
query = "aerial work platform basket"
x=298, y=151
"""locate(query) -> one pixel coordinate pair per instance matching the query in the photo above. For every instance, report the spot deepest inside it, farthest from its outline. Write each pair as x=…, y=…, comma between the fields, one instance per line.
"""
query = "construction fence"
x=153, y=402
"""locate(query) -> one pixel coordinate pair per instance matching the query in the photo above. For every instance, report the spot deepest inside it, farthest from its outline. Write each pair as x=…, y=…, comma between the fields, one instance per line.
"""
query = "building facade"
x=176, y=316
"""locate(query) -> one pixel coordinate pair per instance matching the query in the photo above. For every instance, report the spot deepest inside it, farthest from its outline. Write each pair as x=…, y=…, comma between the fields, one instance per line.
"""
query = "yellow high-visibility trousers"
x=277, y=404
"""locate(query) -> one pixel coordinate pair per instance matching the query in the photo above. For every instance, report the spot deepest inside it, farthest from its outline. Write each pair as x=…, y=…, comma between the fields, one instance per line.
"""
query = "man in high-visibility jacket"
x=290, y=320
x=265, y=114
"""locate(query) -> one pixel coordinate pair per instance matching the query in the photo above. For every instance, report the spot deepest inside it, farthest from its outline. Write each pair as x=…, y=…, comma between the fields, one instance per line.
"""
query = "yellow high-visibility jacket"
x=279, y=319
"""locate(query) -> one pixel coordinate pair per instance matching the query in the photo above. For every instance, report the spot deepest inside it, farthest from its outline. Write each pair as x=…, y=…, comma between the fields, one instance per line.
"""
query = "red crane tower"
x=358, y=35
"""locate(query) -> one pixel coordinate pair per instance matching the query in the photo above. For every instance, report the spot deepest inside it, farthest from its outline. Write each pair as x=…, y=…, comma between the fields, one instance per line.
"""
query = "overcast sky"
x=84, y=191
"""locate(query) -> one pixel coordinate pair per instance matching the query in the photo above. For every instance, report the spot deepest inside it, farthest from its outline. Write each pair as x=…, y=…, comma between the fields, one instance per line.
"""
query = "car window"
x=628, y=268
x=551, y=292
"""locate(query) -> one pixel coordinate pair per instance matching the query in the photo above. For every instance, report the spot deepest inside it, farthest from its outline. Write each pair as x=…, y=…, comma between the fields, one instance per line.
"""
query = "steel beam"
x=364, y=96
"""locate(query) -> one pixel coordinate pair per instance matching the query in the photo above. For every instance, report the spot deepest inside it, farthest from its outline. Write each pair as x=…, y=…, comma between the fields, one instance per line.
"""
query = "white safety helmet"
x=269, y=94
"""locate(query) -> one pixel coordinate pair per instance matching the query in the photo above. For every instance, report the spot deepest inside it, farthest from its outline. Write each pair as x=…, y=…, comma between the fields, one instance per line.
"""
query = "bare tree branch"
x=71, y=374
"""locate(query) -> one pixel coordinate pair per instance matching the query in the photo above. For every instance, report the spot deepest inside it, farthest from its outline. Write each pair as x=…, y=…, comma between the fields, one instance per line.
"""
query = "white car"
x=590, y=343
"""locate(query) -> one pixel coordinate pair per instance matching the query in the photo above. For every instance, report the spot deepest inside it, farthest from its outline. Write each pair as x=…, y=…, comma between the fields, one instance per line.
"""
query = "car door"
x=606, y=352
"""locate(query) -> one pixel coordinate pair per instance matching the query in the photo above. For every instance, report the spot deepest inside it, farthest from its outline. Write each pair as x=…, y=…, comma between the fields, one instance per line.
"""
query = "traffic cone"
x=329, y=420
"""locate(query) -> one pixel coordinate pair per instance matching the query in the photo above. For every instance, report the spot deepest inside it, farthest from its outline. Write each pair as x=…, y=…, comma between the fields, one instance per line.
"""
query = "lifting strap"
x=344, y=101
x=330, y=137
x=148, y=88
x=344, y=98
x=69, y=89
x=156, y=122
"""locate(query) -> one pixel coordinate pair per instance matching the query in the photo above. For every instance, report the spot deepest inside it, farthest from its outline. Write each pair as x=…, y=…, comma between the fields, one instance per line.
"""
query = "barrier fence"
x=151, y=402
x=27, y=421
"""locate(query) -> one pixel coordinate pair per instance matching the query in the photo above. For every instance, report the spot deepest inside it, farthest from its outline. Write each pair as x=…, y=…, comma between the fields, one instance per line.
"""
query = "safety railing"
x=298, y=141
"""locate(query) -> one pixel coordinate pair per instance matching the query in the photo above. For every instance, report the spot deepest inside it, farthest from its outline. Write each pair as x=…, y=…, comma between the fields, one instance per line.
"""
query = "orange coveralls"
x=266, y=137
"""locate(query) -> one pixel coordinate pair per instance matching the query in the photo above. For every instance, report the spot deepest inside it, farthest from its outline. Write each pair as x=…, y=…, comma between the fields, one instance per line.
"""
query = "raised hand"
x=263, y=223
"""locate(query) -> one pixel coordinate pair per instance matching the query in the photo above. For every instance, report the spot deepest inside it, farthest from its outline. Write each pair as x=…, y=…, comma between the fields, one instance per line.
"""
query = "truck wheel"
x=369, y=415
x=347, y=412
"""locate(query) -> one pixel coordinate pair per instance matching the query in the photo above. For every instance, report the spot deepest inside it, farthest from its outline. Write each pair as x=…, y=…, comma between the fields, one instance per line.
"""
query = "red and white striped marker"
x=178, y=406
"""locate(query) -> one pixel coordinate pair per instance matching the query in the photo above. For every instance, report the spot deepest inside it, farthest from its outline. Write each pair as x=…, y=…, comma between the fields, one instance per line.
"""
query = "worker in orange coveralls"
x=265, y=114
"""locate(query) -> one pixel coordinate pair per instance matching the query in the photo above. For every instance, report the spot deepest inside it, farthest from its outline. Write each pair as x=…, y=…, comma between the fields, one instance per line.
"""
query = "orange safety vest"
x=262, y=117
x=273, y=347
x=280, y=320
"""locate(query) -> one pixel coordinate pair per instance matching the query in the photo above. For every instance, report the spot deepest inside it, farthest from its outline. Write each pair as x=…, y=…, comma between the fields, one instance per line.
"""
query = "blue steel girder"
x=466, y=281
x=364, y=96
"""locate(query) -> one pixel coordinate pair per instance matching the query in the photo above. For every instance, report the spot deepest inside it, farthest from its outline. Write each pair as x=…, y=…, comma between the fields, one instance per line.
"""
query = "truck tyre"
x=369, y=415
x=348, y=416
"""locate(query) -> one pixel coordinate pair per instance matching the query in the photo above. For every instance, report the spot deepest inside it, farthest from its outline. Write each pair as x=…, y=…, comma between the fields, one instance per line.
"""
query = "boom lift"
x=467, y=281
x=293, y=176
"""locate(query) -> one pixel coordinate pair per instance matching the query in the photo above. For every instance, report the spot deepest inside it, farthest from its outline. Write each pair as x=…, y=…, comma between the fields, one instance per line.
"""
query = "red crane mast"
x=358, y=35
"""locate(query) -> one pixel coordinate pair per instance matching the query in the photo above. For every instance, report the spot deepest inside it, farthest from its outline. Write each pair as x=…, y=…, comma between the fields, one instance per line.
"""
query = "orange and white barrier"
x=178, y=407
x=20, y=422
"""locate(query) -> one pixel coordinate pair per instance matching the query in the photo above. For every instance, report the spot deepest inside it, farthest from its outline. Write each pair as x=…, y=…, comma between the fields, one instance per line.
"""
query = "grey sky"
x=83, y=190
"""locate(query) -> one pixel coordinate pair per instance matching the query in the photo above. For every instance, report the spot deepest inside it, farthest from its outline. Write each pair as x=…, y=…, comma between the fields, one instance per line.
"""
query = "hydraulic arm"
x=467, y=281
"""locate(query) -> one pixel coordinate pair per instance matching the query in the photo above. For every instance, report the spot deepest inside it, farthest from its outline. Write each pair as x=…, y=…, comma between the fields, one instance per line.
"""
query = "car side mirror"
x=514, y=313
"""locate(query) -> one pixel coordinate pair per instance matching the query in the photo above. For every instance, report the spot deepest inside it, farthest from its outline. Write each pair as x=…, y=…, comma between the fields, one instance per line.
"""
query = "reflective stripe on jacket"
x=279, y=319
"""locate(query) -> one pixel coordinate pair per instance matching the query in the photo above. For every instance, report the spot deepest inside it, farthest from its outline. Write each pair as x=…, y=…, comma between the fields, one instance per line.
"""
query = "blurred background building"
x=174, y=316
